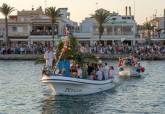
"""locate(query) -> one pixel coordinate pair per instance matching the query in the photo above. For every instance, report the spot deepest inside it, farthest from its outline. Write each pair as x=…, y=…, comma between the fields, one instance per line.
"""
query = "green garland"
x=72, y=53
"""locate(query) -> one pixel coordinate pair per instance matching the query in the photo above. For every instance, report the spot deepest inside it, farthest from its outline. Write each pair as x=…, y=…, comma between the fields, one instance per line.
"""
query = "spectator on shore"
x=142, y=51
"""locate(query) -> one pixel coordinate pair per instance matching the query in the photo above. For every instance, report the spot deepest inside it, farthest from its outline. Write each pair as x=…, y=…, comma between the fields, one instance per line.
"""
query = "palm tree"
x=6, y=10
x=101, y=16
x=158, y=30
x=54, y=15
x=147, y=26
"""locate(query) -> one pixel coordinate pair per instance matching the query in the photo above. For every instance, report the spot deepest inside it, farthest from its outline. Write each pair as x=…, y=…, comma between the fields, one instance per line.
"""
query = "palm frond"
x=101, y=16
x=6, y=9
x=53, y=13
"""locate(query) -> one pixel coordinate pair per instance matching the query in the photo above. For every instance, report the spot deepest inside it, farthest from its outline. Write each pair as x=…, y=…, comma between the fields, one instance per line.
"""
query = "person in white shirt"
x=105, y=71
x=48, y=56
x=99, y=74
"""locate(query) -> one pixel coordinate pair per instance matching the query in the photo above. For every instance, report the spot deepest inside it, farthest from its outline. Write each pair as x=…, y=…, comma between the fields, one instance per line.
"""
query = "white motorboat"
x=61, y=85
x=66, y=85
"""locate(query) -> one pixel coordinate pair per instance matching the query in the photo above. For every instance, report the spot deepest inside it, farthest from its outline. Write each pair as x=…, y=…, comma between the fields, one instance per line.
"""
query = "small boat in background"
x=129, y=67
x=130, y=72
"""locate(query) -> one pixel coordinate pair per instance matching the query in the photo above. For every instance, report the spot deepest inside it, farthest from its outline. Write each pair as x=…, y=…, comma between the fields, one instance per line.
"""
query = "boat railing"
x=47, y=72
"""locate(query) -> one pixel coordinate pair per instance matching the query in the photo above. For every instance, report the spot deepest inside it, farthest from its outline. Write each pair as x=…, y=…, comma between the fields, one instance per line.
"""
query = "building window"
x=127, y=30
x=109, y=30
x=118, y=30
x=123, y=17
x=113, y=18
x=14, y=29
x=128, y=17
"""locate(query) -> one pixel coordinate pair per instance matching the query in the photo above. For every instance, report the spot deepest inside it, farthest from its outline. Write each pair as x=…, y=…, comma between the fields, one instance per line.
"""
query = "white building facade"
x=33, y=26
x=118, y=28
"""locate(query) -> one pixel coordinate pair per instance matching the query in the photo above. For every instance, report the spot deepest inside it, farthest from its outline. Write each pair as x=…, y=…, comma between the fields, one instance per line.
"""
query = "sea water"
x=21, y=92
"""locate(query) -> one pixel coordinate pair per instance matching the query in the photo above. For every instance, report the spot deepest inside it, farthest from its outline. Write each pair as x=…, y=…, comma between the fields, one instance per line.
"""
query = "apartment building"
x=118, y=28
x=33, y=26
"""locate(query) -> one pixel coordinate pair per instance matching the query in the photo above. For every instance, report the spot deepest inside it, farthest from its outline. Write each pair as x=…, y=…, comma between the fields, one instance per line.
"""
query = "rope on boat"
x=59, y=58
x=63, y=50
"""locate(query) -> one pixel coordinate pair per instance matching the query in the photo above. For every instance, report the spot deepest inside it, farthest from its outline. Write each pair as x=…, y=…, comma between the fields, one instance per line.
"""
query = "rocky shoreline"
x=40, y=56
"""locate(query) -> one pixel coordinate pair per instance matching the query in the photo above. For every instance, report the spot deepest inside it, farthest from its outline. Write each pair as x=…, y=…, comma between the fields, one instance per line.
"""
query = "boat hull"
x=129, y=72
x=73, y=86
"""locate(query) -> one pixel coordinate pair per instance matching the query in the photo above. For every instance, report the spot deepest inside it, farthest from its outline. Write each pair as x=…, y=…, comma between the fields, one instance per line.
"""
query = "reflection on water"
x=66, y=105
x=21, y=92
x=74, y=104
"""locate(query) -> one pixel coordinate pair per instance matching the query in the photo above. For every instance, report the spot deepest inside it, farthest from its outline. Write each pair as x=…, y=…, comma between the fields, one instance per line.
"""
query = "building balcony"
x=84, y=35
x=43, y=38
x=18, y=34
x=115, y=33
x=41, y=33
x=90, y=36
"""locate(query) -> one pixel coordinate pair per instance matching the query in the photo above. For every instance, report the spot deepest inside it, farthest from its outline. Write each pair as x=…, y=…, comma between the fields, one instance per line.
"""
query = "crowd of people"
x=142, y=50
x=92, y=71
x=23, y=49
x=130, y=61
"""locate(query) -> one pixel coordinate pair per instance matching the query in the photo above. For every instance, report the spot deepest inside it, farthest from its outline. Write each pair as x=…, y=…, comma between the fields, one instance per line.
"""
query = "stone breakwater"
x=101, y=56
x=20, y=57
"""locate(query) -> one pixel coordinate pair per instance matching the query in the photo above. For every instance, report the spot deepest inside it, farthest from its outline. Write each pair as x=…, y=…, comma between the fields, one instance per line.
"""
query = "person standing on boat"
x=111, y=72
x=120, y=62
x=92, y=76
x=99, y=74
x=90, y=69
x=79, y=72
x=105, y=71
x=48, y=56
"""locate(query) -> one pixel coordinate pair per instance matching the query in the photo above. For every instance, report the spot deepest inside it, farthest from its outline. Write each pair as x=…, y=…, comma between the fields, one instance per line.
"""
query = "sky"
x=79, y=9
